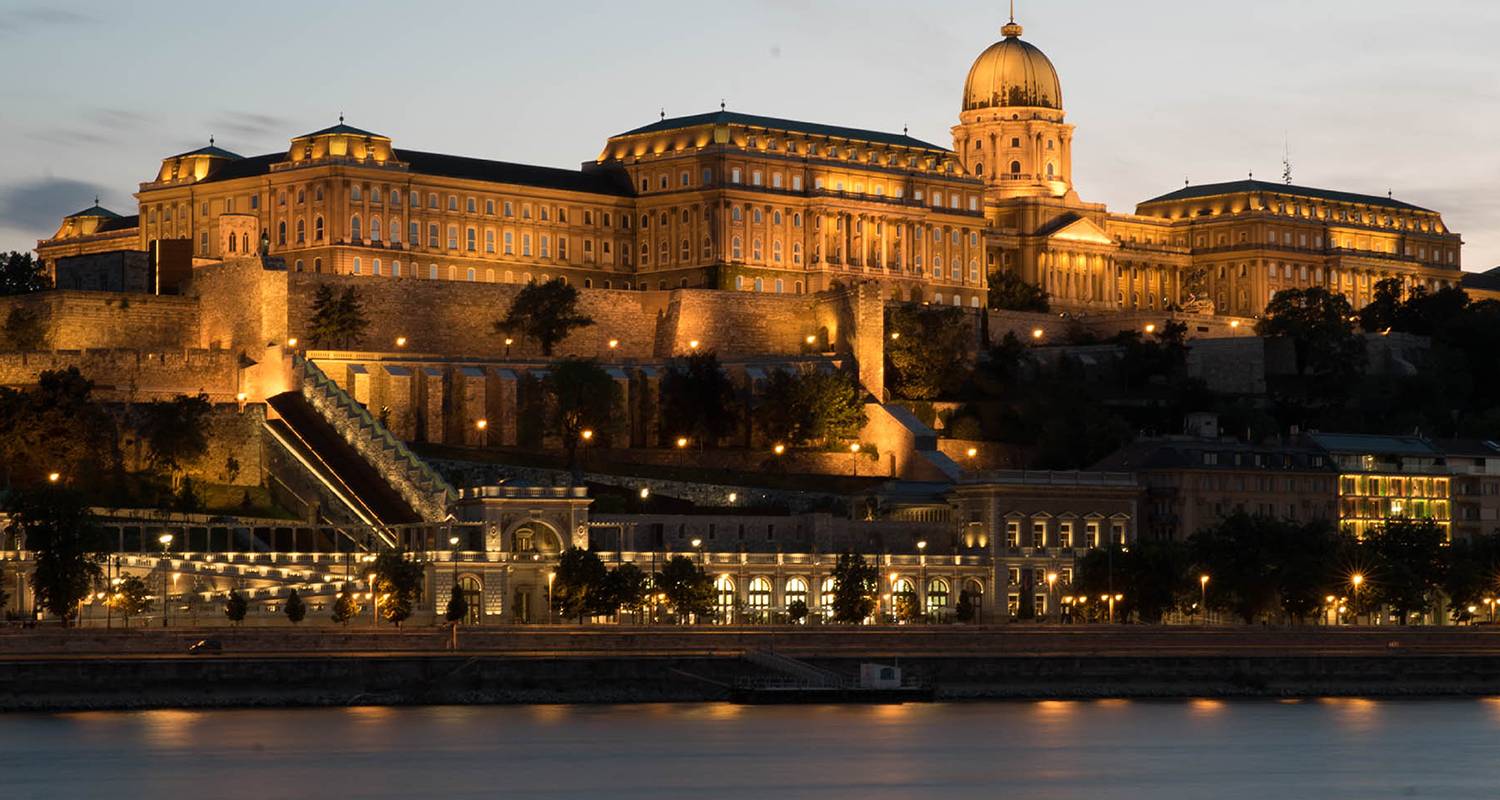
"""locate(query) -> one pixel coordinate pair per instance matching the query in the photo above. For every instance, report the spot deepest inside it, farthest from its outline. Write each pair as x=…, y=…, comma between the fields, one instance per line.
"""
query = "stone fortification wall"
x=133, y=375
x=234, y=432
x=78, y=320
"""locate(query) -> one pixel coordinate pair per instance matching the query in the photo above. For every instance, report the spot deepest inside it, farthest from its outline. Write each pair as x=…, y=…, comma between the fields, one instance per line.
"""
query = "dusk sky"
x=1372, y=95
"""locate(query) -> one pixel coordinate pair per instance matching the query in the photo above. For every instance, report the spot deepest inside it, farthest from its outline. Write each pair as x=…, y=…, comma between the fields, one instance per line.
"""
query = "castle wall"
x=133, y=375
x=81, y=320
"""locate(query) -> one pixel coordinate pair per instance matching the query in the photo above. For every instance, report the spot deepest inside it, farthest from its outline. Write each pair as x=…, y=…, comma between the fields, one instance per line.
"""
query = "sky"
x=1368, y=95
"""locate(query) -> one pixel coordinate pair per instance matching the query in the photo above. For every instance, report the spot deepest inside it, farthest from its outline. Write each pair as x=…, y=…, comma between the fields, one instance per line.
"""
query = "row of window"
x=1042, y=534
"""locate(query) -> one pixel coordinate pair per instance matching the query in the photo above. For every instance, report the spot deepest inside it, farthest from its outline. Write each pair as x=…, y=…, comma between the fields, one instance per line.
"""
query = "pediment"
x=1083, y=231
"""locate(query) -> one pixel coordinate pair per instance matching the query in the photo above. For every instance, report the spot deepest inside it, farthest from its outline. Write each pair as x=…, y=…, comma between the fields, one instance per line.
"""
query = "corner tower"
x=1012, y=132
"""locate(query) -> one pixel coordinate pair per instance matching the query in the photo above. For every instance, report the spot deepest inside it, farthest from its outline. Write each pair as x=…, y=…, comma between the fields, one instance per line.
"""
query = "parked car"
x=206, y=647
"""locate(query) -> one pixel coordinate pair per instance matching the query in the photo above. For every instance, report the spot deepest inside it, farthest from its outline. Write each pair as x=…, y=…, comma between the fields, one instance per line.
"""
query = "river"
x=1344, y=748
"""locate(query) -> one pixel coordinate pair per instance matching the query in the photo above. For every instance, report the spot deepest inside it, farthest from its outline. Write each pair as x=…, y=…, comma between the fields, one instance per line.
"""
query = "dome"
x=1012, y=73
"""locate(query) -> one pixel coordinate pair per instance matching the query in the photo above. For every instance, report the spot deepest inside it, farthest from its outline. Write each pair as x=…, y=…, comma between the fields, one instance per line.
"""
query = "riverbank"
x=58, y=670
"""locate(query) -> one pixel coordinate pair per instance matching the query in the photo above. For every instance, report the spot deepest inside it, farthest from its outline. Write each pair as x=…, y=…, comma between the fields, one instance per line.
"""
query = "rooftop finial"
x=722, y=105
x=210, y=140
x=96, y=200
x=664, y=113
x=341, y=118
x=905, y=129
x=1286, y=160
x=1012, y=30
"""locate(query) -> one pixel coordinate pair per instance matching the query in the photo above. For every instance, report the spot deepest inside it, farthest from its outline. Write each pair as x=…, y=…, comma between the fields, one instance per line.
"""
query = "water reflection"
x=1061, y=750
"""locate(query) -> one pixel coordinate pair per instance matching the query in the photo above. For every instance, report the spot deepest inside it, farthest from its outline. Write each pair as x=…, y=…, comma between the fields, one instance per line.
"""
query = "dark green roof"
x=217, y=152
x=340, y=128
x=95, y=210
x=1483, y=280
x=447, y=166
x=772, y=123
x=1373, y=444
x=1242, y=187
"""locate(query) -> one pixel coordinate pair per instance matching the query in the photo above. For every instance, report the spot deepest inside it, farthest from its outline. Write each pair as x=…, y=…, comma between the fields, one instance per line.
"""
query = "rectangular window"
x=432, y=235
x=510, y=243
x=736, y=176
x=526, y=244
x=1012, y=534
x=1039, y=534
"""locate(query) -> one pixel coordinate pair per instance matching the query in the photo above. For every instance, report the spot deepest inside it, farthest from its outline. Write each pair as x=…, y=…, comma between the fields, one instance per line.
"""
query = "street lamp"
x=854, y=457
x=1051, y=585
x=453, y=543
x=922, y=573
x=693, y=345
x=166, y=544
x=400, y=341
x=698, y=545
x=779, y=449
x=550, y=577
x=1356, y=580
x=1332, y=603
x=508, y=342
x=54, y=477
x=1203, y=591
x=1037, y=334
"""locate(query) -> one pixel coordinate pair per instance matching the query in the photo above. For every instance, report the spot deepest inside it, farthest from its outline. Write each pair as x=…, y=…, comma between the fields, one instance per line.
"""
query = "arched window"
x=937, y=596
x=687, y=249
x=904, y=599
x=796, y=591
x=301, y=231
x=1050, y=169
x=374, y=229
x=724, y=598
x=317, y=230
x=354, y=227
x=826, y=594
x=356, y=265
x=760, y=284
x=1015, y=168
x=317, y=265
x=233, y=244
x=468, y=585
x=395, y=230
x=978, y=169
x=759, y=599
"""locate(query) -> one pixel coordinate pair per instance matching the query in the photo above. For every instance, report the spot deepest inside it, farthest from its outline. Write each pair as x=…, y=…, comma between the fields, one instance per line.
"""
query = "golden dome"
x=1012, y=73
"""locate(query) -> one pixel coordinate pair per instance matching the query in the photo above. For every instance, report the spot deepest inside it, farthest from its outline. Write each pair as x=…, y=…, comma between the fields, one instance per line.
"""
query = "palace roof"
x=1248, y=186
x=787, y=125
x=1483, y=280
x=341, y=128
x=447, y=166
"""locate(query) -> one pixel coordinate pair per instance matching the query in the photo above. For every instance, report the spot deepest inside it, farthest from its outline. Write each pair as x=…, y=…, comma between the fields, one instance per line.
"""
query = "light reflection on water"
x=1061, y=750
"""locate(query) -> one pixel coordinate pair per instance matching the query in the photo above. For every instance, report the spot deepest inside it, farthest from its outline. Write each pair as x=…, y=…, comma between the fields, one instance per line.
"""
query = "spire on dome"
x=1011, y=29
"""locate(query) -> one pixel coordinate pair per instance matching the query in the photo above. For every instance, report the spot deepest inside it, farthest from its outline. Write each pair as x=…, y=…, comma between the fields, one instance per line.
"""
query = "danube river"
x=1058, y=750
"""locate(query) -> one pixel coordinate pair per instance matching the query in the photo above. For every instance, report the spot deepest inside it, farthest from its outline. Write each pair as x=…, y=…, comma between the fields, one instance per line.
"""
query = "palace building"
x=739, y=202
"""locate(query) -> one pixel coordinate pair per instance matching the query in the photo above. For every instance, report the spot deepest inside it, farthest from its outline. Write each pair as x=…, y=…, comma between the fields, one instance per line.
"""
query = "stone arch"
x=535, y=536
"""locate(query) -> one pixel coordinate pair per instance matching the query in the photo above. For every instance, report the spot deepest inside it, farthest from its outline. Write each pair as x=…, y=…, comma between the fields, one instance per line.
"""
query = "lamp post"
x=453, y=544
x=1356, y=580
x=166, y=544
x=698, y=545
x=1332, y=603
x=1203, y=596
x=922, y=574
x=1051, y=598
x=854, y=457
x=550, y=577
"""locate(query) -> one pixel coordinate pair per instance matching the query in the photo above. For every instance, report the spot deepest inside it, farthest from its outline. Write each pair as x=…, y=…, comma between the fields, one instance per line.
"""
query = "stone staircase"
x=409, y=476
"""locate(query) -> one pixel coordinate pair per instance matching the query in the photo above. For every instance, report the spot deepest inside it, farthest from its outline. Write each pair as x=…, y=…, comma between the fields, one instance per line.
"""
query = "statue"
x=1195, y=299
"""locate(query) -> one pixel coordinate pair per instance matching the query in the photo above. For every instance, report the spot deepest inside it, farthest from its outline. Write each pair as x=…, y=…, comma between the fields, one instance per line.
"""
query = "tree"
x=67, y=546
x=21, y=273
x=796, y=611
x=1330, y=355
x=175, y=432
x=1472, y=571
x=295, y=609
x=1408, y=564
x=4, y=587
x=236, y=607
x=689, y=591
x=345, y=607
x=336, y=320
x=855, y=584
x=697, y=399
x=24, y=330
x=627, y=588
x=1152, y=576
x=807, y=408
x=1259, y=565
x=545, y=312
x=56, y=426
x=965, y=610
x=458, y=607
x=398, y=585
x=586, y=398
x=929, y=358
x=131, y=598
x=579, y=586
x=1010, y=292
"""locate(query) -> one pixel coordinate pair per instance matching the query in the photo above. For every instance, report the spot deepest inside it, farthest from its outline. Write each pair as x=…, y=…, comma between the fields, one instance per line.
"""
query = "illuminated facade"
x=1382, y=478
x=740, y=202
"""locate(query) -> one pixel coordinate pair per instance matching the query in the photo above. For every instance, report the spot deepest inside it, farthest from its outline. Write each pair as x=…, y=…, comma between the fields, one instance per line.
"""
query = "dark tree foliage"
x=1330, y=354
x=586, y=398
x=689, y=591
x=545, y=313
x=1152, y=576
x=55, y=427
x=175, y=432
x=580, y=587
x=796, y=611
x=1263, y=567
x=1473, y=573
x=131, y=598
x=23, y=331
x=626, y=589
x=236, y=607
x=295, y=609
x=1408, y=565
x=929, y=359
x=337, y=321
x=967, y=608
x=698, y=400
x=345, y=607
x=398, y=584
x=458, y=607
x=1011, y=292
x=855, y=586
x=67, y=546
x=811, y=408
x=22, y=273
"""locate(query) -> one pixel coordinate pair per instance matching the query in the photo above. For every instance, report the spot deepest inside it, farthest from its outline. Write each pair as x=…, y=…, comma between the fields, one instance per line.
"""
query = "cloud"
x=99, y=126
x=243, y=125
x=39, y=205
x=29, y=18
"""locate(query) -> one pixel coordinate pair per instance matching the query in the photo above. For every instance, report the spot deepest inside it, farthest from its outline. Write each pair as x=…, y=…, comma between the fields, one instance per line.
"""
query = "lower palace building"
x=738, y=202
